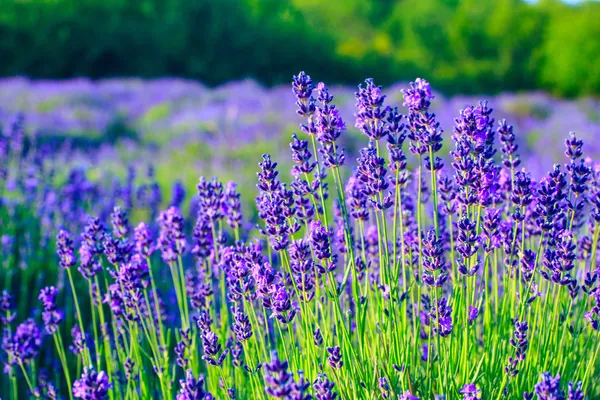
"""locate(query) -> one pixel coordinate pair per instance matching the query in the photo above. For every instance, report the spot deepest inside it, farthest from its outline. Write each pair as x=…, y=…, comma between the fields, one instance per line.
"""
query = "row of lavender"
x=167, y=116
x=462, y=279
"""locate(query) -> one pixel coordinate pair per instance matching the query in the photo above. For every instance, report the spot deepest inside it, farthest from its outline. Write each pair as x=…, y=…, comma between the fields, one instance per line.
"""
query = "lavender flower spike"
x=92, y=385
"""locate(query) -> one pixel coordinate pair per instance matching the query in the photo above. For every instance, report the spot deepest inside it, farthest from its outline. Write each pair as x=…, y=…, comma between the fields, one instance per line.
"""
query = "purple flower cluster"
x=51, y=315
x=92, y=385
x=377, y=292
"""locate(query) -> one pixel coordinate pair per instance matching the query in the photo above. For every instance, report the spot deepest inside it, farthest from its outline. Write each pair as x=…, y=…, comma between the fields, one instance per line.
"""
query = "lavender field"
x=163, y=239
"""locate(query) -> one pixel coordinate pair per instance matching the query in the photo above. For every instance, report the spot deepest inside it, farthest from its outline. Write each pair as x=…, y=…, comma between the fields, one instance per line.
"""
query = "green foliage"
x=460, y=46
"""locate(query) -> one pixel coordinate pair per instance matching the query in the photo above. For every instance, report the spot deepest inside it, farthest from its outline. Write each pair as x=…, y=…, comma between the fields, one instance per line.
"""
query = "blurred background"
x=471, y=46
x=203, y=86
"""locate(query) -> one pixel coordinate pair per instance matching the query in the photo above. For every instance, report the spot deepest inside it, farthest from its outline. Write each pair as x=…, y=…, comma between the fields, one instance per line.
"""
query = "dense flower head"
x=279, y=381
x=51, y=315
x=335, y=357
x=91, y=248
x=321, y=240
x=434, y=263
x=92, y=385
x=510, y=158
x=210, y=198
x=267, y=176
x=24, y=344
x=143, y=240
x=302, y=87
x=575, y=392
x=64, y=249
x=520, y=342
x=574, y=147
x=467, y=245
x=242, y=326
x=442, y=314
x=192, y=388
x=371, y=115
x=232, y=206
x=418, y=97
x=171, y=240
x=120, y=223
x=303, y=267
x=324, y=388
x=281, y=304
x=329, y=127
x=549, y=388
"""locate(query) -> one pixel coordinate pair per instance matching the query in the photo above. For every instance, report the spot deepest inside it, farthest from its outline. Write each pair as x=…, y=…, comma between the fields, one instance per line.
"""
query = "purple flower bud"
x=143, y=240
x=371, y=115
x=407, y=396
x=242, y=326
x=279, y=383
x=418, y=97
x=24, y=345
x=171, y=240
x=470, y=392
x=178, y=195
x=335, y=357
x=7, y=315
x=92, y=385
x=302, y=87
x=575, y=392
x=64, y=249
x=232, y=206
x=51, y=315
x=324, y=388
x=120, y=223
x=549, y=388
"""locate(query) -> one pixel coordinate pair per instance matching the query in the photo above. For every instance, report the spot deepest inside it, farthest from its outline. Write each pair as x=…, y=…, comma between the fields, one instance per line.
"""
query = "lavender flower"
x=178, y=195
x=434, y=264
x=324, y=388
x=470, y=392
x=372, y=173
x=120, y=223
x=92, y=385
x=232, y=207
x=442, y=314
x=329, y=127
x=575, y=392
x=7, y=315
x=192, y=388
x=279, y=382
x=418, y=97
x=371, y=115
x=549, y=388
x=51, y=315
x=510, y=158
x=242, y=326
x=23, y=346
x=143, y=240
x=302, y=87
x=520, y=343
x=408, y=396
x=171, y=240
x=335, y=357
x=64, y=249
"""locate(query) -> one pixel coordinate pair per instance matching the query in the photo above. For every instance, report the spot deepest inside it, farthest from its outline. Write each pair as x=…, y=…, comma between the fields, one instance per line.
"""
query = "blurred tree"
x=461, y=46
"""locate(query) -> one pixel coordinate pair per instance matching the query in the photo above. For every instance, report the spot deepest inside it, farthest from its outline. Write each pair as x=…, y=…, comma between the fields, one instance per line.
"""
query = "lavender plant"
x=407, y=274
